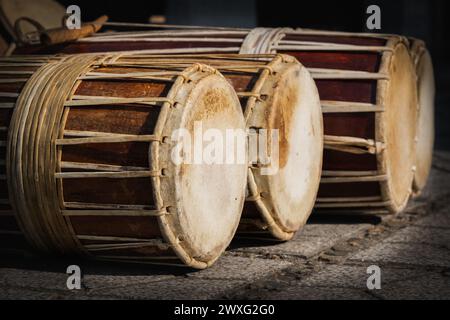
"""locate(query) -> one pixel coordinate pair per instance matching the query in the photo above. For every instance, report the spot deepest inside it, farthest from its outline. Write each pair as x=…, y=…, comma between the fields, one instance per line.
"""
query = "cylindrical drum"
x=368, y=92
x=425, y=123
x=88, y=165
x=369, y=101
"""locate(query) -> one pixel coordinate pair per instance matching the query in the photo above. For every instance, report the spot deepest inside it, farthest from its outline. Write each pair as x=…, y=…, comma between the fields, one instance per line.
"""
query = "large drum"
x=87, y=158
x=425, y=124
x=368, y=91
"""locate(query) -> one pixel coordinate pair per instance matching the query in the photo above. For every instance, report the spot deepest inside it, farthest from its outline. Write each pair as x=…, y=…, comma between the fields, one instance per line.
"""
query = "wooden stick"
x=61, y=35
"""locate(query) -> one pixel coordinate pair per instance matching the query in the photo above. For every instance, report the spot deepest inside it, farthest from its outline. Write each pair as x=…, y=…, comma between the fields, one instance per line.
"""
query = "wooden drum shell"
x=107, y=174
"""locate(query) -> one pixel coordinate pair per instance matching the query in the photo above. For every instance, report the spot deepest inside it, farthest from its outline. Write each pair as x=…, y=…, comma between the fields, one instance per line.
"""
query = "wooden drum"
x=425, y=123
x=368, y=90
x=87, y=165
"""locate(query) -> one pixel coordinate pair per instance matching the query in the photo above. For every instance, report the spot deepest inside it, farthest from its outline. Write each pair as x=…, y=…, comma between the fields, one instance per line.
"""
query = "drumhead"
x=398, y=129
x=294, y=110
x=206, y=198
x=425, y=124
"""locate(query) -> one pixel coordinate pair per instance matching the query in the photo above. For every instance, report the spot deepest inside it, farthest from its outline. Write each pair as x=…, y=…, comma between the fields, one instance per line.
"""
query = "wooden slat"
x=349, y=200
x=121, y=246
x=327, y=173
x=339, y=74
x=104, y=206
x=112, y=213
x=137, y=259
x=353, y=205
x=99, y=167
x=16, y=80
x=349, y=107
x=15, y=72
x=118, y=239
x=8, y=95
x=111, y=101
x=7, y=105
x=357, y=212
x=110, y=175
x=87, y=134
x=9, y=232
x=353, y=179
x=107, y=139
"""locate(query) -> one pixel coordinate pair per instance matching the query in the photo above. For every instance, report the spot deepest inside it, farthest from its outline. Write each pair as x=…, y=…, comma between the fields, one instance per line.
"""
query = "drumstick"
x=61, y=35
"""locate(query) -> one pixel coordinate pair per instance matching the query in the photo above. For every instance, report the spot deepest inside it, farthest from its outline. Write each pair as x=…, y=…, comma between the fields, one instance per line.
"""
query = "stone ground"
x=327, y=260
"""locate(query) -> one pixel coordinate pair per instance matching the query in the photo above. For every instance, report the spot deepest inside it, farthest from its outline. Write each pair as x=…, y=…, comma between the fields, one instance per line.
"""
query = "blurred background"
x=425, y=19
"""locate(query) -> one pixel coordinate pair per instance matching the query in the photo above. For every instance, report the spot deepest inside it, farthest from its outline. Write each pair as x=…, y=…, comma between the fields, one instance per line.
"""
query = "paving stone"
x=97, y=282
x=179, y=289
x=57, y=281
x=33, y=279
x=338, y=276
x=350, y=282
x=430, y=286
x=312, y=240
x=39, y=294
x=320, y=293
x=435, y=220
x=26, y=294
x=239, y=268
x=424, y=235
x=355, y=276
x=411, y=254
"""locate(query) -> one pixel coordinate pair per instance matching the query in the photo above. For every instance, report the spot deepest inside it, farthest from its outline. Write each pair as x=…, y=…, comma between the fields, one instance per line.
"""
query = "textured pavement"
x=328, y=259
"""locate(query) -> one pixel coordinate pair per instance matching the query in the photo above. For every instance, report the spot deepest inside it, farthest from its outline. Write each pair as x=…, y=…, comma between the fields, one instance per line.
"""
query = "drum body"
x=368, y=92
x=425, y=123
x=88, y=159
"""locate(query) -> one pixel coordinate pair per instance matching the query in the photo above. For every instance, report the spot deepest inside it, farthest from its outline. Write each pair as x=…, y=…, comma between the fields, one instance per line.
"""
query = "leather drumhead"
x=208, y=195
x=294, y=109
x=425, y=124
x=398, y=128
